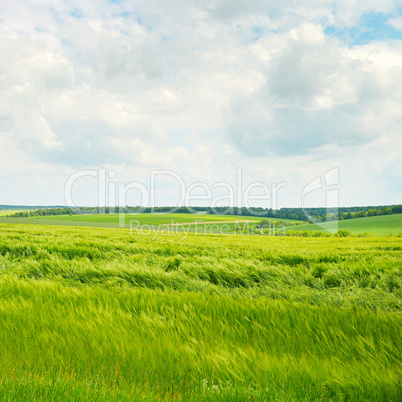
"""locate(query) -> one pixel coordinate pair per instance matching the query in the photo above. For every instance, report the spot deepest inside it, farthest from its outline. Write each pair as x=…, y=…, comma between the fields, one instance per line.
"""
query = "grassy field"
x=102, y=314
x=375, y=225
x=177, y=222
x=6, y=212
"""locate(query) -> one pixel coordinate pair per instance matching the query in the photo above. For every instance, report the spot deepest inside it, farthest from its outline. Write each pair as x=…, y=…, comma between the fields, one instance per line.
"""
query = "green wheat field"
x=375, y=225
x=177, y=222
x=103, y=314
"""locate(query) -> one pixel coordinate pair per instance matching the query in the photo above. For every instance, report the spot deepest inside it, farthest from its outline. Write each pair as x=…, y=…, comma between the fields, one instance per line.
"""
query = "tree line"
x=298, y=214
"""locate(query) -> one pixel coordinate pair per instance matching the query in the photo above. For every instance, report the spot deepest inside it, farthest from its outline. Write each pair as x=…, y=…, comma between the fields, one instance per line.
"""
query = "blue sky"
x=372, y=26
x=286, y=91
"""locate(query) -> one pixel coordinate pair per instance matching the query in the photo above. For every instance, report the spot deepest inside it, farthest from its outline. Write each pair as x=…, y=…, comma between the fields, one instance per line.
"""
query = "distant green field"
x=375, y=225
x=150, y=219
x=6, y=212
x=176, y=222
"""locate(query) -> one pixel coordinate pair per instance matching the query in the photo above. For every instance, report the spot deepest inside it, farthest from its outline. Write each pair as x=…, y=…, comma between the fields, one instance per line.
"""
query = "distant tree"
x=397, y=209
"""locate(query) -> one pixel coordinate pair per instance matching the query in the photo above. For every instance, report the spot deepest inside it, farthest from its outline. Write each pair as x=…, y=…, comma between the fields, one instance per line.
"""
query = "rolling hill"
x=375, y=225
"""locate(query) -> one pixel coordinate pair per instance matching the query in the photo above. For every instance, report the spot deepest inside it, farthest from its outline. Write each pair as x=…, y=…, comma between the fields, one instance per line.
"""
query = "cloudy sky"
x=284, y=90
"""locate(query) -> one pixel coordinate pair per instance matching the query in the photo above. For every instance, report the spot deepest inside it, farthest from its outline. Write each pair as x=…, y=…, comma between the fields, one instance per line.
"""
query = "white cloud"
x=395, y=23
x=319, y=92
x=197, y=87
